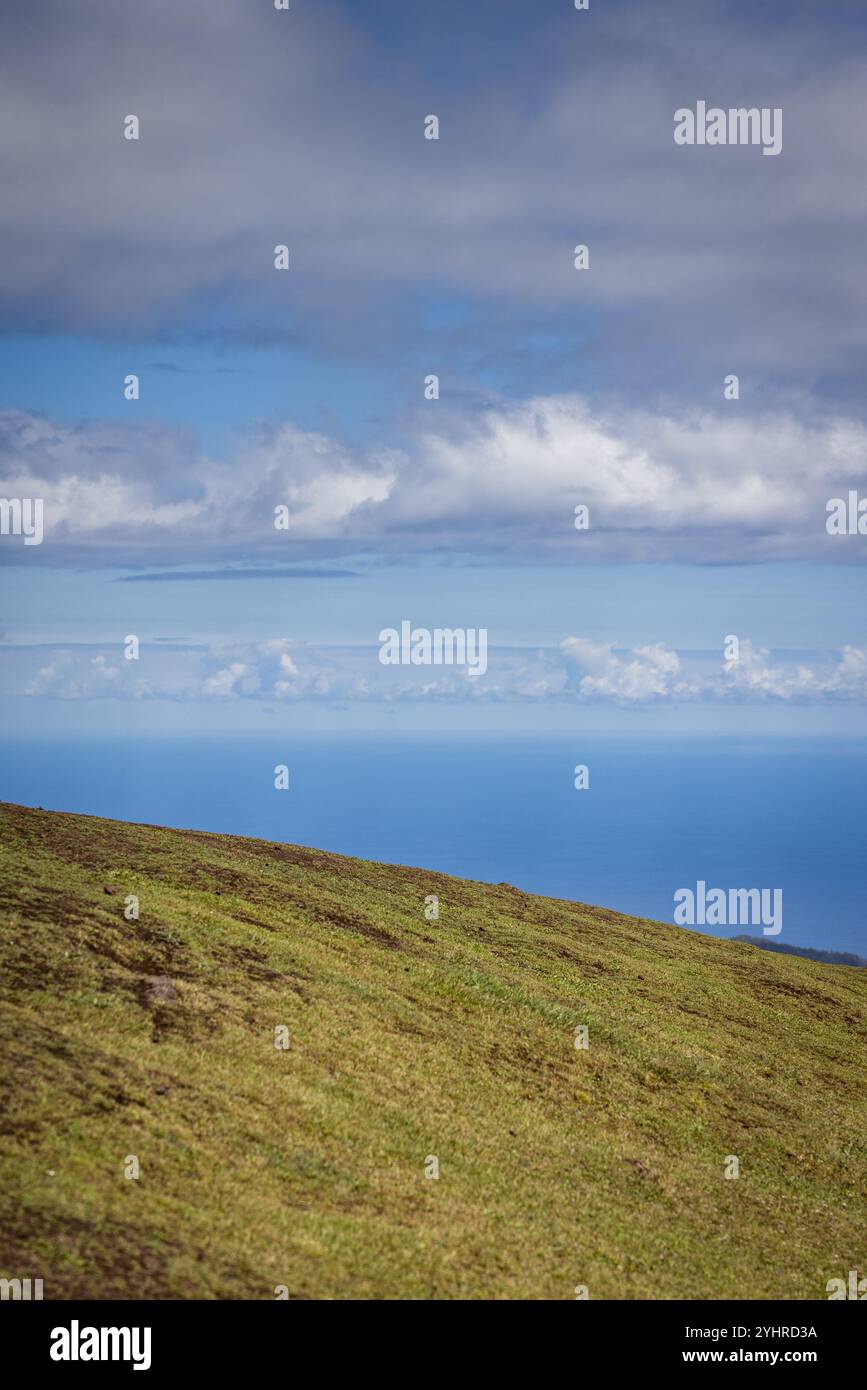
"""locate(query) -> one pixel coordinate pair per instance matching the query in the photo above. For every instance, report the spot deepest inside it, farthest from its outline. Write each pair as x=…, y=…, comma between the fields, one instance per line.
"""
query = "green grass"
x=409, y=1038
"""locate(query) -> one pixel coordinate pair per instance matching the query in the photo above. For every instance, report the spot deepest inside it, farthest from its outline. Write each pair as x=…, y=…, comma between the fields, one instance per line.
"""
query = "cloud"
x=577, y=672
x=73, y=676
x=648, y=672
x=307, y=145
x=236, y=679
x=697, y=485
x=147, y=493
x=753, y=677
x=283, y=572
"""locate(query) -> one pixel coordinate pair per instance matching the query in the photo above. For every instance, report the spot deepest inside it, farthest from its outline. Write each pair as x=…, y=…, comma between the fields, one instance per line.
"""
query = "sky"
x=308, y=388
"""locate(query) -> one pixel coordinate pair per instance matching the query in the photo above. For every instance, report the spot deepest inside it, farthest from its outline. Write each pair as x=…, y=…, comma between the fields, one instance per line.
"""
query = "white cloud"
x=648, y=672
x=231, y=680
x=697, y=486
x=577, y=672
x=753, y=677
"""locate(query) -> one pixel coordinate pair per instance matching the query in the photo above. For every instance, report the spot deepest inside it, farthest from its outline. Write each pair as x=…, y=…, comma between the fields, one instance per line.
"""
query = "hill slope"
x=409, y=1039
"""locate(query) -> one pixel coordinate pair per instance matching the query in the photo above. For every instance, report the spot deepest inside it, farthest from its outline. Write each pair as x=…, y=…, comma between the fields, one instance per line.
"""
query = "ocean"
x=659, y=814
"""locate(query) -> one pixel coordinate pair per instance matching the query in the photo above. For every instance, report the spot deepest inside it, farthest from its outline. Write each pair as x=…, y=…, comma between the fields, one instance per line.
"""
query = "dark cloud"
x=178, y=576
x=260, y=127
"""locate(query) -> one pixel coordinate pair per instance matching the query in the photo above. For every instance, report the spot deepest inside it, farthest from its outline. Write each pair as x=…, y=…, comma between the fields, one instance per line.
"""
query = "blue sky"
x=410, y=257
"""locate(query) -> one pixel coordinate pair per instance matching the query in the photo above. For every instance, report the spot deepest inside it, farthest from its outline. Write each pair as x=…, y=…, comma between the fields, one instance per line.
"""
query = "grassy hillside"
x=409, y=1039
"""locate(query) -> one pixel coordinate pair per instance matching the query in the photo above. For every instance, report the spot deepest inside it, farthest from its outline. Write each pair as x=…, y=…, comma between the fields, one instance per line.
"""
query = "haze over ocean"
x=660, y=813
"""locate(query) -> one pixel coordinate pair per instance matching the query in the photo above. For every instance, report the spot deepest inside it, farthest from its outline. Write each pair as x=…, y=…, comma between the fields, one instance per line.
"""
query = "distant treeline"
x=829, y=957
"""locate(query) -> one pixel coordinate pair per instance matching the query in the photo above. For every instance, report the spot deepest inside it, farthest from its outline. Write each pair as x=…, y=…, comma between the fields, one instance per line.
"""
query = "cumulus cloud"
x=232, y=680
x=753, y=676
x=70, y=675
x=704, y=486
x=600, y=673
x=577, y=672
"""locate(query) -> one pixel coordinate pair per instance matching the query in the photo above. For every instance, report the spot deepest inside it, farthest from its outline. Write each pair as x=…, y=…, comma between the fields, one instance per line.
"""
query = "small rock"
x=159, y=987
x=108, y=888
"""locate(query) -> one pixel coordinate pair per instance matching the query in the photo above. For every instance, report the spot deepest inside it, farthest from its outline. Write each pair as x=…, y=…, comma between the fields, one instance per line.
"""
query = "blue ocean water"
x=659, y=814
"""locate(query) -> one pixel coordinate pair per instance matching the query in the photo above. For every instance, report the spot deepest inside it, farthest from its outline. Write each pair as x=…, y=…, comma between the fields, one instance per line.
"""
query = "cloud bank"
x=716, y=253
x=700, y=485
x=576, y=672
